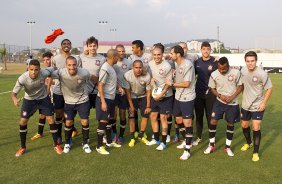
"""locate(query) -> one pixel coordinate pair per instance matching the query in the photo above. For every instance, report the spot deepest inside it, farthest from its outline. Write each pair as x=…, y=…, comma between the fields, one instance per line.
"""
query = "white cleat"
x=152, y=142
x=209, y=150
x=229, y=152
x=168, y=138
x=161, y=147
x=86, y=148
x=182, y=145
x=185, y=155
x=66, y=148
x=113, y=145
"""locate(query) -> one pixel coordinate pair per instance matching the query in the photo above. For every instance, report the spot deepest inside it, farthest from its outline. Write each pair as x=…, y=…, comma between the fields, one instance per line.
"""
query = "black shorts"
x=121, y=101
x=163, y=106
x=232, y=112
x=105, y=115
x=72, y=109
x=140, y=103
x=247, y=115
x=183, y=109
x=59, y=101
x=92, y=100
x=29, y=107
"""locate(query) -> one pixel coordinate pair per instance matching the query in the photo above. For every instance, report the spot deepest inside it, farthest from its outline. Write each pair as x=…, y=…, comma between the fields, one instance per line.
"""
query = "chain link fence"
x=14, y=53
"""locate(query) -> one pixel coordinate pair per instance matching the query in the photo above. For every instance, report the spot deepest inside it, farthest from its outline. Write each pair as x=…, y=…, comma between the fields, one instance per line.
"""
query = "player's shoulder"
x=23, y=77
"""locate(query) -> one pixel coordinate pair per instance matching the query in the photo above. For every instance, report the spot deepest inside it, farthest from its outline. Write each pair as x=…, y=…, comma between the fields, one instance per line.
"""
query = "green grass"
x=141, y=164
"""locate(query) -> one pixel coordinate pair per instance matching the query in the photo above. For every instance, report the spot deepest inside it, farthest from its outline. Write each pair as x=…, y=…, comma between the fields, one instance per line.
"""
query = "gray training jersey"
x=226, y=84
x=35, y=89
x=74, y=88
x=185, y=72
x=145, y=58
x=59, y=61
x=161, y=73
x=93, y=65
x=254, y=83
x=121, y=68
x=108, y=77
x=192, y=57
x=137, y=85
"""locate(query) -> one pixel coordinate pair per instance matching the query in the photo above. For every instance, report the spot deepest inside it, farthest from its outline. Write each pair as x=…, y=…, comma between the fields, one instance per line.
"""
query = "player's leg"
x=41, y=123
x=245, y=117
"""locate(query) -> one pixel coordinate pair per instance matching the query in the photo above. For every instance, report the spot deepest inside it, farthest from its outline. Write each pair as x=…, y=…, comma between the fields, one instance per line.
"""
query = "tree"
x=3, y=53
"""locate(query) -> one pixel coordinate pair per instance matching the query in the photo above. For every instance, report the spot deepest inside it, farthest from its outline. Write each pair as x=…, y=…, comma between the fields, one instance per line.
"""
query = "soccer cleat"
x=144, y=140
x=145, y=135
x=176, y=138
x=86, y=148
x=229, y=152
x=136, y=135
x=245, y=147
x=114, y=137
x=168, y=138
x=197, y=141
x=153, y=142
x=131, y=143
x=20, y=152
x=161, y=147
x=255, y=157
x=113, y=145
x=209, y=149
x=37, y=136
x=74, y=132
x=120, y=141
x=67, y=148
x=182, y=145
x=102, y=151
x=185, y=155
x=58, y=149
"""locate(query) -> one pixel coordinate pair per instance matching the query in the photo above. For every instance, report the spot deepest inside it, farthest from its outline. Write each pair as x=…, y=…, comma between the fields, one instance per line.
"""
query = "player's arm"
x=148, y=100
x=15, y=92
x=128, y=96
x=237, y=92
x=102, y=96
x=265, y=99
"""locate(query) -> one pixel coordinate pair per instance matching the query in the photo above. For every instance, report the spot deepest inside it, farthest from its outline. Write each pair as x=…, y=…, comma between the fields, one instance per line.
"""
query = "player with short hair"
x=225, y=83
x=255, y=80
x=138, y=91
x=36, y=98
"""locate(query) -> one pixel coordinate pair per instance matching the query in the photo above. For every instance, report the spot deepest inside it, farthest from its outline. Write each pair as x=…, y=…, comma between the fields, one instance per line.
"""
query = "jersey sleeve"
x=266, y=82
x=103, y=76
x=212, y=81
x=19, y=84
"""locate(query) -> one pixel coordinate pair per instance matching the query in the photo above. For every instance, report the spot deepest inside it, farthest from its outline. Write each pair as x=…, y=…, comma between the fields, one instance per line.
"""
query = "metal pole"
x=30, y=36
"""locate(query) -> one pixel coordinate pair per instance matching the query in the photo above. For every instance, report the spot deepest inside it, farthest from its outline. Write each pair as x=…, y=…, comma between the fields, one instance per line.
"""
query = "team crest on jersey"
x=98, y=62
x=146, y=60
x=42, y=81
x=161, y=71
x=124, y=66
x=142, y=82
x=180, y=71
x=210, y=68
x=213, y=114
x=79, y=80
x=24, y=113
x=230, y=78
x=255, y=79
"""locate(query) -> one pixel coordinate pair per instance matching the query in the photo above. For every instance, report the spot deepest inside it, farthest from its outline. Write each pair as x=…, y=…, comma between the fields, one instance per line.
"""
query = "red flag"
x=49, y=39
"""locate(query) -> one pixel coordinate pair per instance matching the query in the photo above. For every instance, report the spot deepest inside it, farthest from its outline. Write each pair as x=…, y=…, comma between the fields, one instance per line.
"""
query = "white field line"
x=5, y=92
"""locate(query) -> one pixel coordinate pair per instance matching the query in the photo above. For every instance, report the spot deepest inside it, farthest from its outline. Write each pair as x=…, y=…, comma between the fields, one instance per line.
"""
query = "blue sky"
x=243, y=23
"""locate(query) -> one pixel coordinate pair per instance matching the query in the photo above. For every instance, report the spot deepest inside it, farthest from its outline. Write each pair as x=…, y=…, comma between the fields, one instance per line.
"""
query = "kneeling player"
x=225, y=83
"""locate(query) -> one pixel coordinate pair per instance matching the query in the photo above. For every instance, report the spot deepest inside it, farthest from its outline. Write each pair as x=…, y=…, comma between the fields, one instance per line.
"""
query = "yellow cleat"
x=255, y=157
x=136, y=135
x=102, y=151
x=245, y=147
x=145, y=136
x=74, y=133
x=131, y=143
x=36, y=136
x=144, y=140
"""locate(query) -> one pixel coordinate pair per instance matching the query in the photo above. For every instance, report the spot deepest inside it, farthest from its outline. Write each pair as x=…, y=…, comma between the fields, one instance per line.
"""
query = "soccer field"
x=140, y=164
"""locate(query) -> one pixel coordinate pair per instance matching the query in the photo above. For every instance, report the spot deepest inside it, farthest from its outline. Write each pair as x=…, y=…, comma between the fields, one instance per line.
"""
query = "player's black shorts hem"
x=104, y=115
x=140, y=103
x=121, y=101
x=248, y=115
x=163, y=106
x=231, y=112
x=183, y=109
x=59, y=101
x=72, y=109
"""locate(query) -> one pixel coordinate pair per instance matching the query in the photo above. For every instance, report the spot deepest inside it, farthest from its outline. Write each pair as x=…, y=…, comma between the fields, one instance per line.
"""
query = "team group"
x=161, y=87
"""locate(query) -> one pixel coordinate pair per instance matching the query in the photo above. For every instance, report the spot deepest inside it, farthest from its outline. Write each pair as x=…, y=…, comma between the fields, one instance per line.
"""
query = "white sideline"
x=5, y=92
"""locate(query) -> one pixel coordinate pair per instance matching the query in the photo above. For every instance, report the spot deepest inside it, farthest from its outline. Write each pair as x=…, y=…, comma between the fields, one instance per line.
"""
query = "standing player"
x=190, y=57
x=47, y=58
x=121, y=102
x=161, y=103
x=184, y=83
x=105, y=108
x=138, y=91
x=73, y=82
x=225, y=83
x=255, y=80
x=36, y=97
x=204, y=66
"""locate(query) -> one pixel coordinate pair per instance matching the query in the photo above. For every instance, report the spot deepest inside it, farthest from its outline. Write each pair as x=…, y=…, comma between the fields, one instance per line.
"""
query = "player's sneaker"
x=37, y=136
x=145, y=135
x=102, y=150
x=245, y=147
x=131, y=143
x=136, y=135
x=185, y=155
x=229, y=152
x=255, y=157
x=168, y=138
x=113, y=145
x=176, y=138
x=114, y=137
x=58, y=149
x=20, y=152
x=120, y=141
x=67, y=148
x=144, y=140
x=209, y=149
x=197, y=141
x=153, y=142
x=86, y=148
x=161, y=147
x=182, y=145
x=74, y=132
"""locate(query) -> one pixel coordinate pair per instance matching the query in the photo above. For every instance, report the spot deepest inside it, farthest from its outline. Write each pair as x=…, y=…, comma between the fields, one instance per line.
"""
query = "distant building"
x=104, y=46
x=195, y=45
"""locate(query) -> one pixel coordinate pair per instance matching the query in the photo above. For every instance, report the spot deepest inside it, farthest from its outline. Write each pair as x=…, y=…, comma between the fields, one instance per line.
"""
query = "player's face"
x=92, y=48
x=223, y=69
x=116, y=59
x=184, y=48
x=72, y=66
x=137, y=69
x=173, y=55
x=121, y=52
x=85, y=50
x=47, y=61
x=33, y=71
x=251, y=62
x=135, y=49
x=157, y=55
x=206, y=52
x=66, y=46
